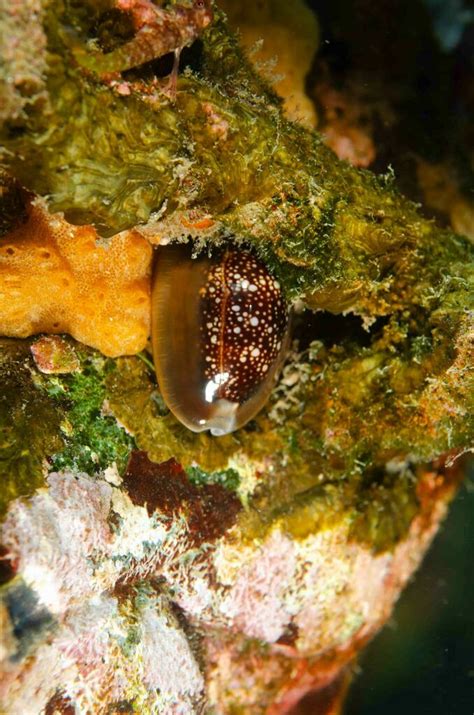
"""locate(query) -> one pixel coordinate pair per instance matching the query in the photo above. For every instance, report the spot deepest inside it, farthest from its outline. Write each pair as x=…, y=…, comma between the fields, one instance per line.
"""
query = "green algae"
x=377, y=511
x=29, y=425
x=93, y=439
x=227, y=478
x=53, y=422
x=134, y=399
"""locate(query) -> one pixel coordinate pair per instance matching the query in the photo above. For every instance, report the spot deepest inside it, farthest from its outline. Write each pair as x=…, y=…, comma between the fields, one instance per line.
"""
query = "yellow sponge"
x=60, y=278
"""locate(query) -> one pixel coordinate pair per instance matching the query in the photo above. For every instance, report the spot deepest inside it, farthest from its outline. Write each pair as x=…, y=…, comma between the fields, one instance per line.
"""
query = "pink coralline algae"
x=115, y=599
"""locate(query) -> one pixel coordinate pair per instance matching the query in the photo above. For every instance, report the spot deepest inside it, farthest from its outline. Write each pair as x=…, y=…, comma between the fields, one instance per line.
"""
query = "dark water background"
x=419, y=55
x=423, y=661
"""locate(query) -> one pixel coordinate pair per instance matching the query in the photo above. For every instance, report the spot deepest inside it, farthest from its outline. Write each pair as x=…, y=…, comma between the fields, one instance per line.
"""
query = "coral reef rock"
x=147, y=593
x=144, y=567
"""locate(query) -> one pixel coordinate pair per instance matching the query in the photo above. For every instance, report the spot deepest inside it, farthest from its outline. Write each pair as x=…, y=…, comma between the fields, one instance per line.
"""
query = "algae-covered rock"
x=148, y=568
x=29, y=426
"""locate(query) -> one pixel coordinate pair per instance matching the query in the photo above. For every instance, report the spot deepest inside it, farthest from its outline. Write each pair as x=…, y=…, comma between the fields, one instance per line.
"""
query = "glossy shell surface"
x=220, y=334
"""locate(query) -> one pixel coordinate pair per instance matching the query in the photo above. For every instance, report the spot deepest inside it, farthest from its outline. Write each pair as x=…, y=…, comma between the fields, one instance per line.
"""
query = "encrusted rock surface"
x=146, y=568
x=148, y=592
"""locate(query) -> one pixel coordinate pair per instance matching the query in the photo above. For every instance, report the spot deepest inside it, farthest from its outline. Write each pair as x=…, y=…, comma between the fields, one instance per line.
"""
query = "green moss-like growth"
x=93, y=439
x=53, y=421
x=384, y=506
x=29, y=425
x=228, y=478
x=134, y=399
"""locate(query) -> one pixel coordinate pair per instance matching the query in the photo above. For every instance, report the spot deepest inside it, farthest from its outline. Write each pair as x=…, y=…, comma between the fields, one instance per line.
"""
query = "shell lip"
x=221, y=420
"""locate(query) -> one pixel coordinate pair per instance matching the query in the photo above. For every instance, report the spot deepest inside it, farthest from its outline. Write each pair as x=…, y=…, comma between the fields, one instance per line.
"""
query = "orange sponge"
x=60, y=278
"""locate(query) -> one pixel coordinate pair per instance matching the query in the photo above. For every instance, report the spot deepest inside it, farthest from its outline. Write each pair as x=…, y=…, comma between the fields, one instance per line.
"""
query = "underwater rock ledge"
x=146, y=568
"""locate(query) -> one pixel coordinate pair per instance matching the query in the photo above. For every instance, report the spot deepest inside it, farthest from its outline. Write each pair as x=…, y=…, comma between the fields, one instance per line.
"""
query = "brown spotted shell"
x=220, y=334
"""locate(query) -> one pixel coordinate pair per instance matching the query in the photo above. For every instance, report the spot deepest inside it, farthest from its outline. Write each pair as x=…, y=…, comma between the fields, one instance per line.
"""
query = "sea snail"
x=220, y=334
